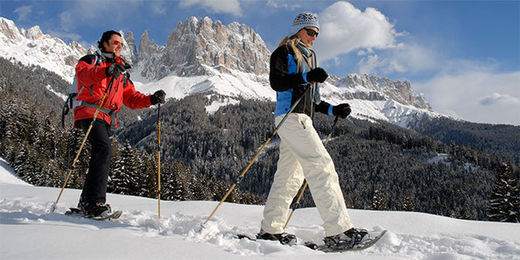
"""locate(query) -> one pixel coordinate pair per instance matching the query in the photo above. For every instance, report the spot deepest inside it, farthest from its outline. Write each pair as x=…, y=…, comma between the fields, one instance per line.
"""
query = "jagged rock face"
x=132, y=57
x=9, y=29
x=149, y=58
x=383, y=89
x=198, y=46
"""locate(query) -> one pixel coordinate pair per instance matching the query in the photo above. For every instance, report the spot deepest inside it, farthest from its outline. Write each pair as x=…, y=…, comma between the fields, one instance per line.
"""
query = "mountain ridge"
x=205, y=56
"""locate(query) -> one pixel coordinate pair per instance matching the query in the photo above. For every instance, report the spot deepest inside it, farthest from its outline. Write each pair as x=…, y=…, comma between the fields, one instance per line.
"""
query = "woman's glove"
x=317, y=75
x=341, y=110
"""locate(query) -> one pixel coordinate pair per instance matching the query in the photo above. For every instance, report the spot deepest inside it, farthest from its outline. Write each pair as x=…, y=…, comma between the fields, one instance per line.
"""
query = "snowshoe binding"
x=283, y=238
x=347, y=239
x=97, y=211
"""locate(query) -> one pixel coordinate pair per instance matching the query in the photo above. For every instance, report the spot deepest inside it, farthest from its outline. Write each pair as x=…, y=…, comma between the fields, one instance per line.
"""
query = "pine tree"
x=409, y=203
x=504, y=203
x=125, y=177
x=149, y=176
x=20, y=161
x=379, y=201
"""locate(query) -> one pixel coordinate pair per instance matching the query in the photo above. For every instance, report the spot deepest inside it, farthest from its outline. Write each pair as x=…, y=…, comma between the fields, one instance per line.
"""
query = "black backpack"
x=72, y=102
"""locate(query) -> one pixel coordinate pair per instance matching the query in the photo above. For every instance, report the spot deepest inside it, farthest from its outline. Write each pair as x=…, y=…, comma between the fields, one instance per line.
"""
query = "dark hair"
x=105, y=37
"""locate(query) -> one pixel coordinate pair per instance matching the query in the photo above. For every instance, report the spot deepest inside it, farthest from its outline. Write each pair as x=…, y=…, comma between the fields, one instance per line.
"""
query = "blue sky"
x=463, y=55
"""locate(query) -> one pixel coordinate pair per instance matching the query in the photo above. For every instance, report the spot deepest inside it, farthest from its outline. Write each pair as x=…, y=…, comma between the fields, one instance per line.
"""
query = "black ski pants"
x=95, y=187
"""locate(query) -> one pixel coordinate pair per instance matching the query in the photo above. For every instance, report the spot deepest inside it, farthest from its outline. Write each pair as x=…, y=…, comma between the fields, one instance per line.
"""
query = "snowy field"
x=28, y=231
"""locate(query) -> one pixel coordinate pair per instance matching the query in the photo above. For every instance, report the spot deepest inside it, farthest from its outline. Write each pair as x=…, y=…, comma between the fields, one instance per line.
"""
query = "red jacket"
x=92, y=83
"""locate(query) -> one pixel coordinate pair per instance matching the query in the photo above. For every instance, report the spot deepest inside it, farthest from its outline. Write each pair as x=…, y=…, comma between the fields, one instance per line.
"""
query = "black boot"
x=347, y=239
x=92, y=210
x=284, y=238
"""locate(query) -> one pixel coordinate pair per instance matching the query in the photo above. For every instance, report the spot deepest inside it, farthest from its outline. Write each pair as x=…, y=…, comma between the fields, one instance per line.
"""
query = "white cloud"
x=286, y=4
x=483, y=96
x=373, y=64
x=404, y=58
x=216, y=6
x=90, y=11
x=64, y=35
x=23, y=12
x=158, y=7
x=497, y=98
x=370, y=35
x=344, y=28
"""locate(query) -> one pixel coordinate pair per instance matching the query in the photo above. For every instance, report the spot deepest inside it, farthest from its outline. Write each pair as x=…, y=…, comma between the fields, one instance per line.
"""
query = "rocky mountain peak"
x=9, y=29
x=33, y=47
x=34, y=33
x=200, y=46
x=400, y=91
x=132, y=48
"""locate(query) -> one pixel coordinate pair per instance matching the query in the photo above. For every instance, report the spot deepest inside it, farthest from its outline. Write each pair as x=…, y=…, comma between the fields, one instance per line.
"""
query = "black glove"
x=114, y=70
x=158, y=97
x=317, y=75
x=341, y=110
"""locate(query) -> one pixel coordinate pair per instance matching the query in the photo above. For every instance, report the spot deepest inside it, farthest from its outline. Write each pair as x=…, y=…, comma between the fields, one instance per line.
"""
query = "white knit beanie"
x=304, y=20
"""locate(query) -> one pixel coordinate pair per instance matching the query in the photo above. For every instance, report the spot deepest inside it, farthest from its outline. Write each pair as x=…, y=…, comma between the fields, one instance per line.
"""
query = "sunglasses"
x=115, y=42
x=311, y=32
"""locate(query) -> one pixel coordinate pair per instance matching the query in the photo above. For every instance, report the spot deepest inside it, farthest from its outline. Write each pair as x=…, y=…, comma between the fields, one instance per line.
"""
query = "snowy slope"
x=28, y=231
x=237, y=84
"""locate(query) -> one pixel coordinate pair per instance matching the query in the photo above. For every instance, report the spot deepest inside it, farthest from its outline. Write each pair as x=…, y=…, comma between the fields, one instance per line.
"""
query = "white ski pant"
x=303, y=156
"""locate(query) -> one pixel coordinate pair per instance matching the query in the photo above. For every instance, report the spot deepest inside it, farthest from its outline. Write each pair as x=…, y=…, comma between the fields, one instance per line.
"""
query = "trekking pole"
x=53, y=207
x=239, y=178
x=297, y=204
x=159, y=163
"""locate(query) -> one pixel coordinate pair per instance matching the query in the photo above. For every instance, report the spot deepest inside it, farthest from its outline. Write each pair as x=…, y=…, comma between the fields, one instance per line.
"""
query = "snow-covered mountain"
x=205, y=56
x=29, y=231
x=32, y=47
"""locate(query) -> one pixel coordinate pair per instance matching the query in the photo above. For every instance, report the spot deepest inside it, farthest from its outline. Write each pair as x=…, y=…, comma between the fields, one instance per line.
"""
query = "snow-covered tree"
x=504, y=205
x=379, y=201
x=125, y=177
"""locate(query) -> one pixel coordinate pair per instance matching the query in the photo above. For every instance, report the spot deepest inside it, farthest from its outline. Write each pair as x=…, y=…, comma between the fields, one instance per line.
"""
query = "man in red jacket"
x=104, y=71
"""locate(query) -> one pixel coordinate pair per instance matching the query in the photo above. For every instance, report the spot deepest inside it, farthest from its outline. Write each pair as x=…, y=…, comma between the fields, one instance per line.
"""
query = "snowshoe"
x=342, y=244
x=347, y=239
x=75, y=212
x=283, y=238
x=96, y=211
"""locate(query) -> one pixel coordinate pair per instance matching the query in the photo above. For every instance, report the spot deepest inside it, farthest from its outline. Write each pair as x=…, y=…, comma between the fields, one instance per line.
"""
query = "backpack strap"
x=109, y=112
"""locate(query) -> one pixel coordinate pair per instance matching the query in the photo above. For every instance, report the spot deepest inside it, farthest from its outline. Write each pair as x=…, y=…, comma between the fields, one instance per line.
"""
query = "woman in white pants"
x=294, y=75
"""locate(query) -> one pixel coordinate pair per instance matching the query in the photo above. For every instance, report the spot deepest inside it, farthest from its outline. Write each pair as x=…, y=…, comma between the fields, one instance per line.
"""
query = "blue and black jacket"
x=290, y=84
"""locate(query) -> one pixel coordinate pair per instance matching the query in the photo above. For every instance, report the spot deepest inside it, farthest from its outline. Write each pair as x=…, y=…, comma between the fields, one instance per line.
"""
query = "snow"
x=440, y=157
x=32, y=47
x=7, y=176
x=58, y=94
x=237, y=84
x=216, y=104
x=29, y=231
